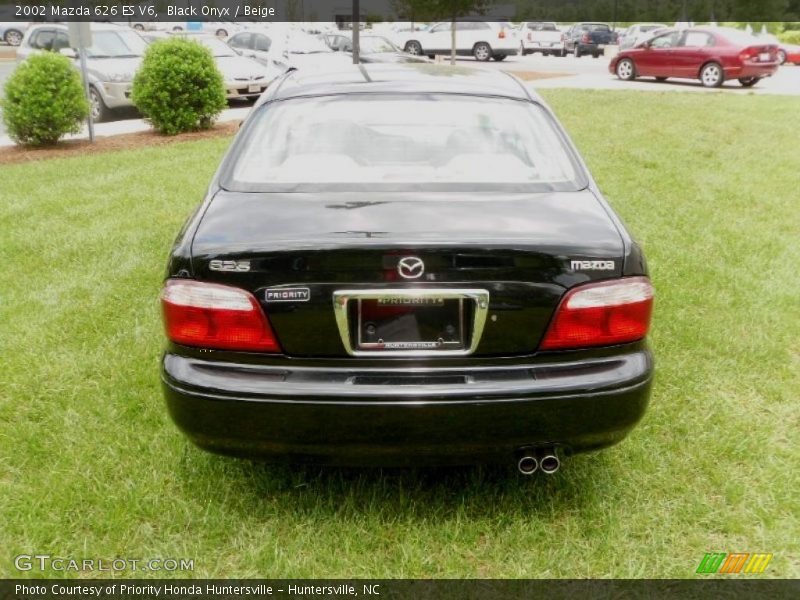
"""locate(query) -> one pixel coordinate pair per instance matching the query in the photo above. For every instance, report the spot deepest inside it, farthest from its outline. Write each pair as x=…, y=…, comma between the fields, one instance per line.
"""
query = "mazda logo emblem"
x=410, y=267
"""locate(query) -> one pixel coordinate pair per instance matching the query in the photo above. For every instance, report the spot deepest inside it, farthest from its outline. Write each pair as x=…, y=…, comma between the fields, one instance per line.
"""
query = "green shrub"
x=790, y=37
x=178, y=87
x=43, y=100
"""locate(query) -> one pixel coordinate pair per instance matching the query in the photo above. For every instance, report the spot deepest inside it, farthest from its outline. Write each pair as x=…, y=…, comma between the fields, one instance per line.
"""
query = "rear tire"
x=13, y=37
x=222, y=33
x=749, y=81
x=414, y=47
x=712, y=75
x=482, y=51
x=626, y=70
x=139, y=27
x=100, y=112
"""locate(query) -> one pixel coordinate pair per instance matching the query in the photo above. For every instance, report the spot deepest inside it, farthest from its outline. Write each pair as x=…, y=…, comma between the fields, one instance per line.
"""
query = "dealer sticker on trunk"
x=298, y=294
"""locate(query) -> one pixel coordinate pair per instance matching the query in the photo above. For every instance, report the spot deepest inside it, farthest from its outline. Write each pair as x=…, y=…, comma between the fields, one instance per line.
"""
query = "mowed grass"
x=93, y=467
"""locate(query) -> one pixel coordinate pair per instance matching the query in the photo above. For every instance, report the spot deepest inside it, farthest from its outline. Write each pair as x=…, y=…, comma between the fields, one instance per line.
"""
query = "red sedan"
x=711, y=55
x=788, y=53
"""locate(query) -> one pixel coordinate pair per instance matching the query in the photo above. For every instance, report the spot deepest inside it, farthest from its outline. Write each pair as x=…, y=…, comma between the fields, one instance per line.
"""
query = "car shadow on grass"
x=249, y=486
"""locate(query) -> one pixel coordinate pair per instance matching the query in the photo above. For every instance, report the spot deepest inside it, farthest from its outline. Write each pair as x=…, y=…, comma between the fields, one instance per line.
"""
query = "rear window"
x=595, y=27
x=401, y=142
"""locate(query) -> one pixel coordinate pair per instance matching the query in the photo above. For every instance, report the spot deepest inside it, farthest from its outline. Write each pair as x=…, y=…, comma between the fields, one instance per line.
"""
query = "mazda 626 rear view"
x=404, y=265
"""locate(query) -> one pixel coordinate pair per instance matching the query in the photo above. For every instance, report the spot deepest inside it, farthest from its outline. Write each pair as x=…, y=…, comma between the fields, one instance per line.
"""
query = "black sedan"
x=403, y=265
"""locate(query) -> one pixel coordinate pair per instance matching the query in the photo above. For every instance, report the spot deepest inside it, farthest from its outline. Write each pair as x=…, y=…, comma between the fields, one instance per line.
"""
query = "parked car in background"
x=711, y=55
x=588, y=38
x=787, y=53
x=12, y=32
x=254, y=44
x=244, y=77
x=112, y=60
x=637, y=33
x=372, y=48
x=482, y=39
x=541, y=36
x=299, y=50
x=405, y=265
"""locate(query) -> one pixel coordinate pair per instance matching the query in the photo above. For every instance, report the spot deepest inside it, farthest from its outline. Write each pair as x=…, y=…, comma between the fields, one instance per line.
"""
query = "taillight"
x=601, y=314
x=585, y=39
x=530, y=37
x=502, y=34
x=216, y=316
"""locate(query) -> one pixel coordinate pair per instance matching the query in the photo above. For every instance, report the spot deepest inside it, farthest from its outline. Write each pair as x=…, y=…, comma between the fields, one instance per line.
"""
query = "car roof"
x=409, y=78
x=94, y=26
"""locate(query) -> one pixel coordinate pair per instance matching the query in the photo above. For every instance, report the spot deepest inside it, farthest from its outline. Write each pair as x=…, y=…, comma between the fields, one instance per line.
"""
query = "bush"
x=44, y=100
x=178, y=87
x=790, y=37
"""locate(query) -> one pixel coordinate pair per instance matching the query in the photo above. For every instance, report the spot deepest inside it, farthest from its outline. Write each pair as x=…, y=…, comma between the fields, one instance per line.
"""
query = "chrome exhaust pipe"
x=527, y=464
x=548, y=460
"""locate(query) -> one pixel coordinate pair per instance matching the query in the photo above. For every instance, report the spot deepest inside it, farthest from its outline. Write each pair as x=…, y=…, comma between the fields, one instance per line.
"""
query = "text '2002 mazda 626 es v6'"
x=401, y=265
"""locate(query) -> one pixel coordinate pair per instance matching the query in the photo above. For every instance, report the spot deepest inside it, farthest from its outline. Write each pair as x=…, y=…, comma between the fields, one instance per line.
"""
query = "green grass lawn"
x=91, y=465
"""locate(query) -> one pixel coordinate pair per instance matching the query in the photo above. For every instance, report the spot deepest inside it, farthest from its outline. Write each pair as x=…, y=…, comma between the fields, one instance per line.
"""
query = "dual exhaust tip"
x=535, y=459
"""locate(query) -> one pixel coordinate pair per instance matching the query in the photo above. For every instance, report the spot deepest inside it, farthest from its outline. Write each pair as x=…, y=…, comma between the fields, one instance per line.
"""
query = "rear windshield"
x=401, y=142
x=595, y=27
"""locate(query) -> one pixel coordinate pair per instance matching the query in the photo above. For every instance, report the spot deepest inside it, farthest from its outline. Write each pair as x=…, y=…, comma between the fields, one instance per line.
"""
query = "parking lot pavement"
x=592, y=73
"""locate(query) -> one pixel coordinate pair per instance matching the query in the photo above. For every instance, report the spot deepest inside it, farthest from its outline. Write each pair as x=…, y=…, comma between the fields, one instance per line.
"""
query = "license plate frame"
x=764, y=57
x=254, y=88
x=351, y=303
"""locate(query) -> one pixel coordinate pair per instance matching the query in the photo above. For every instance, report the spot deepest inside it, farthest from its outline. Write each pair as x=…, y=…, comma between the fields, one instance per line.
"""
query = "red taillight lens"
x=601, y=314
x=502, y=34
x=209, y=315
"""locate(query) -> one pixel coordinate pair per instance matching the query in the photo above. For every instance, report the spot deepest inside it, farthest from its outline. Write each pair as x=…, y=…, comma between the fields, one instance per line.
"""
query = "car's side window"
x=697, y=39
x=43, y=39
x=241, y=41
x=668, y=40
x=441, y=27
x=61, y=41
x=262, y=43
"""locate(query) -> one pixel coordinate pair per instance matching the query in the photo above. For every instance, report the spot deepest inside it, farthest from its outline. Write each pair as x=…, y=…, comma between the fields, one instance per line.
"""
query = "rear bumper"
x=404, y=416
x=751, y=70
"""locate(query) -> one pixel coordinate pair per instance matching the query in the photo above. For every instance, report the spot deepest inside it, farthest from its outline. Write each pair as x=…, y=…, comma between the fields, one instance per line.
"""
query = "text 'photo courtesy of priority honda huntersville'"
x=405, y=265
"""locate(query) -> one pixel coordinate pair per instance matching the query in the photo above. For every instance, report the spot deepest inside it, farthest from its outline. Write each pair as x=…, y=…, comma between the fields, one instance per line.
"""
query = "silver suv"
x=112, y=60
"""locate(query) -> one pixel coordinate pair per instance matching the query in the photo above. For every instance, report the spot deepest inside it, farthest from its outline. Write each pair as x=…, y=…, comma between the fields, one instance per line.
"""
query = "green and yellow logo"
x=737, y=562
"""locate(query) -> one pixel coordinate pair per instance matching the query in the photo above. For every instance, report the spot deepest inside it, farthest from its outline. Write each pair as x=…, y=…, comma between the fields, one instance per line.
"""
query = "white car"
x=637, y=33
x=244, y=77
x=541, y=36
x=112, y=60
x=482, y=39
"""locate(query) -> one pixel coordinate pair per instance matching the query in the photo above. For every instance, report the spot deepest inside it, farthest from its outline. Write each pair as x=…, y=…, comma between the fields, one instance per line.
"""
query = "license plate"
x=254, y=87
x=764, y=57
x=411, y=321
x=426, y=323
x=601, y=46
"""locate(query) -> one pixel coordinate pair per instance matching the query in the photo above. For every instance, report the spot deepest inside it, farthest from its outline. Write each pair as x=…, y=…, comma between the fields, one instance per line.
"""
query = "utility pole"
x=356, y=31
x=80, y=36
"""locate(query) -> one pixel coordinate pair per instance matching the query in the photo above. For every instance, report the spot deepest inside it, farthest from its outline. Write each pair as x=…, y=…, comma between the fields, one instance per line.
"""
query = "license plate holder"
x=411, y=321
x=254, y=87
x=764, y=57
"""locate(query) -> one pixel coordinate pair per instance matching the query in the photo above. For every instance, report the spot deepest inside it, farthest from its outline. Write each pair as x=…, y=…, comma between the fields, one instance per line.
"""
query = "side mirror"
x=68, y=52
